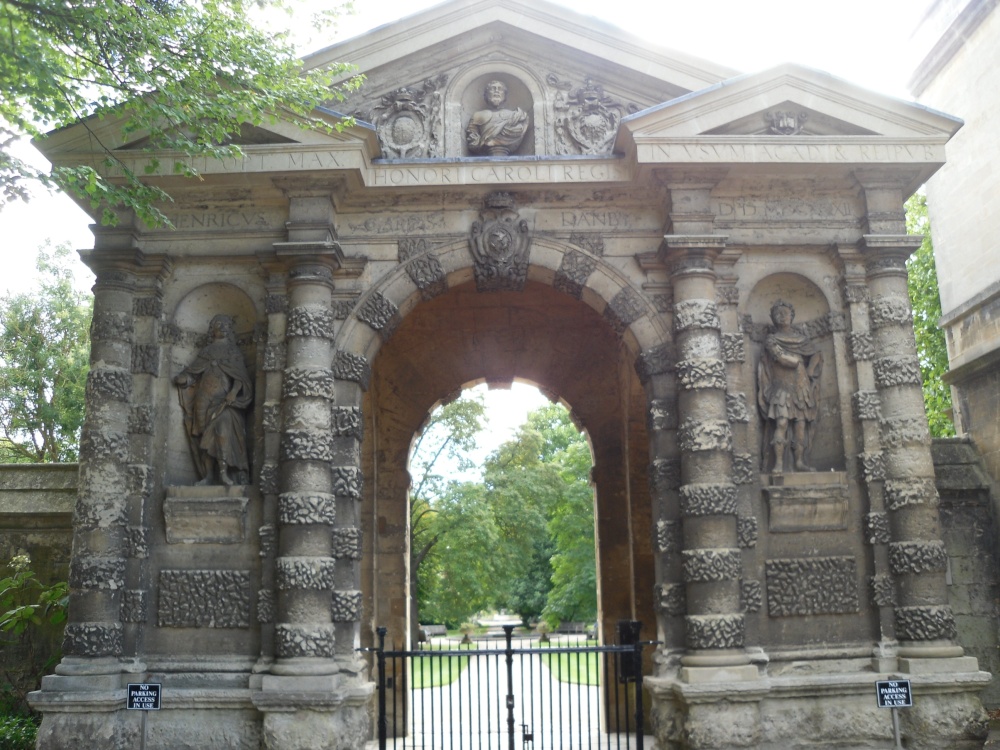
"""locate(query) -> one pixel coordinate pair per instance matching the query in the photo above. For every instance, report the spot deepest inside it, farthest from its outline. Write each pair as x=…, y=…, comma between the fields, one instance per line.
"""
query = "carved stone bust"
x=496, y=131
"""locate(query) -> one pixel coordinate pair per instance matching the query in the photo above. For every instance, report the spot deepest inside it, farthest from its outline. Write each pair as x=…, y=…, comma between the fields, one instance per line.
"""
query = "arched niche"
x=465, y=97
x=812, y=319
x=191, y=320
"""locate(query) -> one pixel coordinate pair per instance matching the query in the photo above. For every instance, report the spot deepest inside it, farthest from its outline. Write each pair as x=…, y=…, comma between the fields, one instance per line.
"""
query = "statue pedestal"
x=806, y=501
x=206, y=515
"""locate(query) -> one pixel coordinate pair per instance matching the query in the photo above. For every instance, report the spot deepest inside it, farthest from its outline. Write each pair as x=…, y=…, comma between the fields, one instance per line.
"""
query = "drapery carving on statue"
x=500, y=242
x=496, y=131
x=788, y=392
x=215, y=391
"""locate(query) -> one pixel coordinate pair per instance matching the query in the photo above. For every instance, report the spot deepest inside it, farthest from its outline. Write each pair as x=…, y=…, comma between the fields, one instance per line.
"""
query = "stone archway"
x=538, y=335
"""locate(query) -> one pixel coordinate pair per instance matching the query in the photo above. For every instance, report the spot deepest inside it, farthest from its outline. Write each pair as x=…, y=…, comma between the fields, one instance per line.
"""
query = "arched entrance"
x=539, y=335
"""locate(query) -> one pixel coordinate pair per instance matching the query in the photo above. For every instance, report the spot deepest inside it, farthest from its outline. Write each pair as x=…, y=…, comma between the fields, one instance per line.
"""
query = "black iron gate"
x=508, y=695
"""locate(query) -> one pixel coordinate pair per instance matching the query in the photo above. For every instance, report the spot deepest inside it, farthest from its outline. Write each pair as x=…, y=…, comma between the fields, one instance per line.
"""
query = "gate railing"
x=498, y=696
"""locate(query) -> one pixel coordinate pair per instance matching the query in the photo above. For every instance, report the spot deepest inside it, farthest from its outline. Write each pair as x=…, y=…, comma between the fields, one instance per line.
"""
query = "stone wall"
x=969, y=526
x=36, y=516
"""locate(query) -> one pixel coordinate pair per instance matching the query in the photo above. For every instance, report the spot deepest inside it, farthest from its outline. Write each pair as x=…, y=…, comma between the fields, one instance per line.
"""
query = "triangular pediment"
x=773, y=102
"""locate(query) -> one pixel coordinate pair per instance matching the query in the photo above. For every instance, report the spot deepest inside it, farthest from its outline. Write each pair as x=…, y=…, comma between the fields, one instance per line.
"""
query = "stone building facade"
x=962, y=64
x=707, y=268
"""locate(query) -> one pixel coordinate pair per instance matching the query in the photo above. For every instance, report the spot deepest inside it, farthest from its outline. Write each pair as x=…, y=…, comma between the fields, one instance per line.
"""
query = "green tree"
x=184, y=77
x=443, y=444
x=44, y=359
x=539, y=485
x=932, y=350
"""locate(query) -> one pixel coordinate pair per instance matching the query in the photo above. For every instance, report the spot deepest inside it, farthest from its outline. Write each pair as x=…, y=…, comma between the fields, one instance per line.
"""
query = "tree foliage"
x=522, y=540
x=182, y=77
x=932, y=350
x=44, y=359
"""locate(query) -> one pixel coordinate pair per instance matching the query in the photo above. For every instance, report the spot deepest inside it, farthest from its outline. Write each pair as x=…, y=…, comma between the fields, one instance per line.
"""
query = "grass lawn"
x=578, y=669
x=435, y=671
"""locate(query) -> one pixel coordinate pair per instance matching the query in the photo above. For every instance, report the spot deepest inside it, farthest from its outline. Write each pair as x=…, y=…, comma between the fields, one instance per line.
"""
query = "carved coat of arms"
x=407, y=120
x=500, y=243
x=590, y=120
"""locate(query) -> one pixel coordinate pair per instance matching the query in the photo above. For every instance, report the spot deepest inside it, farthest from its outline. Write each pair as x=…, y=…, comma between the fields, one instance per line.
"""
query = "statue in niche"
x=496, y=131
x=215, y=392
x=788, y=391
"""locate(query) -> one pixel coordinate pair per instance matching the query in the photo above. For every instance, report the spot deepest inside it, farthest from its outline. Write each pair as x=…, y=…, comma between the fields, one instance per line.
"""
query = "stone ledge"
x=806, y=501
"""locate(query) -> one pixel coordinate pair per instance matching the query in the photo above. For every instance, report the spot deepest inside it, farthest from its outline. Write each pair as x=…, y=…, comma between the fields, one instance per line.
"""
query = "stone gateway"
x=706, y=274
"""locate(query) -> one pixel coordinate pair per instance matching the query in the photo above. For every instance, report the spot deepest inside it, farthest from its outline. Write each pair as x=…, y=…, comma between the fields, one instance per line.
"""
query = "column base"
x=314, y=712
x=818, y=704
x=707, y=675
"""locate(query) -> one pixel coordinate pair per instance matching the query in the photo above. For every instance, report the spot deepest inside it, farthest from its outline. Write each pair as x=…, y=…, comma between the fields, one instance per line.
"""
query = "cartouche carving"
x=500, y=243
x=408, y=120
x=590, y=119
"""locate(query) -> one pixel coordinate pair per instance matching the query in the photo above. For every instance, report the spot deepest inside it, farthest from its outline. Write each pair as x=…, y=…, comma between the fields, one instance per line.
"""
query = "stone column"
x=83, y=699
x=315, y=696
x=711, y=559
x=93, y=641
x=925, y=626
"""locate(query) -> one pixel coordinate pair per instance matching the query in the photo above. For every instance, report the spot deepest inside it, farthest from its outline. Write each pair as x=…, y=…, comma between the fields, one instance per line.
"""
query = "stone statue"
x=788, y=389
x=215, y=392
x=496, y=131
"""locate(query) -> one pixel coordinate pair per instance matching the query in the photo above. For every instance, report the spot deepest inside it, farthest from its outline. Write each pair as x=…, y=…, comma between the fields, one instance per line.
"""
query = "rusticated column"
x=925, y=626
x=93, y=641
x=315, y=695
x=711, y=559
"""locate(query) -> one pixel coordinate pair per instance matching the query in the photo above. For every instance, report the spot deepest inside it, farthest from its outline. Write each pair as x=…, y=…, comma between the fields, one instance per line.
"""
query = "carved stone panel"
x=813, y=501
x=812, y=586
x=715, y=631
x=587, y=118
x=204, y=599
x=500, y=243
x=408, y=120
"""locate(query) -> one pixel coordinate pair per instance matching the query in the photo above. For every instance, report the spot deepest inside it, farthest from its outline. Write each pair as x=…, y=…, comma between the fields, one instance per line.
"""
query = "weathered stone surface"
x=715, y=631
x=812, y=586
x=696, y=314
x=107, y=325
x=705, y=435
x=146, y=359
x=348, y=421
x=348, y=366
x=574, y=270
x=701, y=373
x=296, y=508
x=662, y=415
x=733, y=347
x=97, y=572
x=347, y=482
x=204, y=599
x=306, y=573
x=303, y=640
x=897, y=370
x=736, y=408
x=900, y=493
x=308, y=383
x=703, y=565
x=624, y=309
x=667, y=537
x=275, y=357
x=664, y=475
x=345, y=606
x=902, y=431
x=866, y=405
x=302, y=445
x=135, y=606
x=883, y=591
x=268, y=535
x=671, y=599
x=889, y=310
x=109, y=382
x=752, y=596
x=90, y=639
x=380, y=313
x=265, y=606
x=708, y=499
x=137, y=542
x=747, y=531
x=428, y=274
x=872, y=466
x=877, y=528
x=862, y=347
x=918, y=557
x=925, y=623
x=346, y=543
x=147, y=307
x=744, y=468
x=656, y=361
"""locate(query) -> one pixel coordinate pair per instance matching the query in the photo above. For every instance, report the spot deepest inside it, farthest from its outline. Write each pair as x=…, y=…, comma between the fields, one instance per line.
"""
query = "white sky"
x=864, y=41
